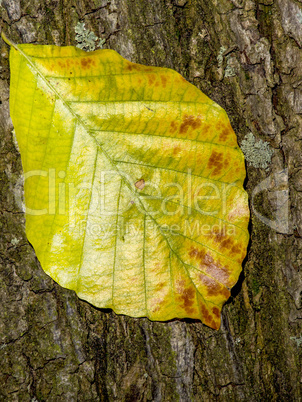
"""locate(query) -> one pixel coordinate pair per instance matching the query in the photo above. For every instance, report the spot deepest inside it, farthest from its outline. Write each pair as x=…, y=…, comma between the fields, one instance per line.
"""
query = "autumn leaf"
x=133, y=183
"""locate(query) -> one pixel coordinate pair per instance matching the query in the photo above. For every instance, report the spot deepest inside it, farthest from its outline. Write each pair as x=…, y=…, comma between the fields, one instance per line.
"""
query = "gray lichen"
x=297, y=340
x=257, y=153
x=220, y=56
x=229, y=70
x=15, y=241
x=86, y=39
x=101, y=43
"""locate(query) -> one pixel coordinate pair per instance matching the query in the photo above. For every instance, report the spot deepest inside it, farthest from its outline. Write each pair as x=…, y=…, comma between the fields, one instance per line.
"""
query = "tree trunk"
x=55, y=347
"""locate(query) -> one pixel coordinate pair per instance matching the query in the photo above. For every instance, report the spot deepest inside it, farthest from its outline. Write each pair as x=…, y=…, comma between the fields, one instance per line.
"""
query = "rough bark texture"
x=55, y=347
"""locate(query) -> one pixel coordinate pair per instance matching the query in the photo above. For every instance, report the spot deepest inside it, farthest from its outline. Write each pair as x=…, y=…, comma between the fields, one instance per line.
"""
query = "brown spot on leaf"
x=227, y=243
x=211, y=267
x=213, y=288
x=69, y=62
x=206, y=128
x=137, y=67
x=225, y=133
x=163, y=80
x=208, y=319
x=129, y=67
x=219, y=235
x=198, y=254
x=236, y=249
x=216, y=162
x=214, y=325
x=205, y=312
x=215, y=159
x=226, y=293
x=186, y=296
x=86, y=62
x=140, y=184
x=215, y=311
x=173, y=127
x=176, y=150
x=160, y=286
x=151, y=79
x=61, y=64
x=189, y=121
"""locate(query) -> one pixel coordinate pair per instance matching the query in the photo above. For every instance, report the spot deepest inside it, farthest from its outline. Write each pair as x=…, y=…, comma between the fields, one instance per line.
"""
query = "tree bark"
x=56, y=347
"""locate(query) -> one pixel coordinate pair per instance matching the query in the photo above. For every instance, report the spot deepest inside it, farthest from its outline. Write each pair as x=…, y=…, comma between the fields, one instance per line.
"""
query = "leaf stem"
x=8, y=41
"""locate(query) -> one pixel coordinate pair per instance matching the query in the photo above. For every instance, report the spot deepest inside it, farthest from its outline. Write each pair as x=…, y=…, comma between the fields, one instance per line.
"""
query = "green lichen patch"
x=229, y=69
x=257, y=153
x=86, y=39
x=220, y=56
x=297, y=340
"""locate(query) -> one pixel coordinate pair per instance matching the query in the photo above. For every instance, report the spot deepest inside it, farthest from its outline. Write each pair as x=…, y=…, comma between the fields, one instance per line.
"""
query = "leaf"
x=133, y=183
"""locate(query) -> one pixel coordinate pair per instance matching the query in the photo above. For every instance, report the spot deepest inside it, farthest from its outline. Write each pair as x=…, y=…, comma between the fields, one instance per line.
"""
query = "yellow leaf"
x=133, y=183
